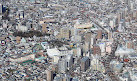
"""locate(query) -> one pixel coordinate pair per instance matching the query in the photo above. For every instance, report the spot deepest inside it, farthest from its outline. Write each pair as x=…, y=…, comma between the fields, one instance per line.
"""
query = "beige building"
x=44, y=28
x=49, y=75
x=22, y=58
x=64, y=33
x=88, y=37
x=110, y=36
x=18, y=39
x=99, y=34
x=86, y=46
x=83, y=26
x=77, y=51
x=46, y=20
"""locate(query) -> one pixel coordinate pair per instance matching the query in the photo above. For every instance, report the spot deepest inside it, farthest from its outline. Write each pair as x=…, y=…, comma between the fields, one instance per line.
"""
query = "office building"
x=44, y=28
x=86, y=46
x=96, y=50
x=87, y=37
x=49, y=75
x=99, y=34
x=85, y=63
x=62, y=65
x=69, y=60
x=65, y=33
x=0, y=8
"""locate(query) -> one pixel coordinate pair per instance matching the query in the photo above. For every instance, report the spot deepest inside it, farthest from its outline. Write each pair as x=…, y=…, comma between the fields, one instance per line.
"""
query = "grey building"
x=85, y=63
x=62, y=65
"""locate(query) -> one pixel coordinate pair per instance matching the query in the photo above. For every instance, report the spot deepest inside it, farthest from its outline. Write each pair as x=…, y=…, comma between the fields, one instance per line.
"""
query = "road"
x=109, y=71
x=107, y=61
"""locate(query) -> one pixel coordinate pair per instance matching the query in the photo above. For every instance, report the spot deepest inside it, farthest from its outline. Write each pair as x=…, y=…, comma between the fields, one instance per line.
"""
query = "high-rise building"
x=85, y=63
x=113, y=22
x=86, y=46
x=0, y=8
x=108, y=47
x=49, y=75
x=99, y=34
x=119, y=17
x=21, y=14
x=134, y=14
x=110, y=35
x=65, y=33
x=87, y=37
x=96, y=50
x=69, y=60
x=77, y=52
x=102, y=47
x=93, y=40
x=62, y=65
x=121, y=27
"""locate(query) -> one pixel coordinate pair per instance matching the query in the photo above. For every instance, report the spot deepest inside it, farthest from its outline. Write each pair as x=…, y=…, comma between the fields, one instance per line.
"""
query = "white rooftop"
x=53, y=52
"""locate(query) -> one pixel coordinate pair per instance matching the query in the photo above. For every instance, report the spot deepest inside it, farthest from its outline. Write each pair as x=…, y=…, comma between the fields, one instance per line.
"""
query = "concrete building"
x=102, y=48
x=83, y=26
x=53, y=52
x=66, y=78
x=116, y=66
x=96, y=64
x=92, y=42
x=86, y=46
x=58, y=78
x=85, y=63
x=96, y=50
x=65, y=33
x=99, y=34
x=22, y=58
x=110, y=35
x=18, y=39
x=69, y=60
x=88, y=37
x=0, y=8
x=45, y=45
x=77, y=51
x=130, y=45
x=108, y=47
x=49, y=75
x=44, y=28
x=113, y=22
x=62, y=65
x=56, y=59
x=22, y=28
